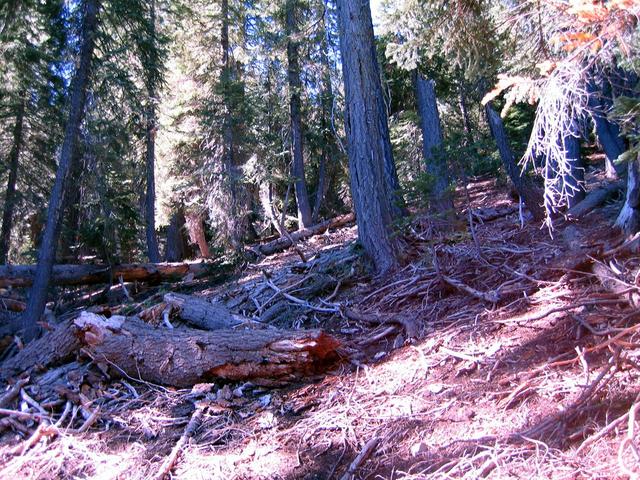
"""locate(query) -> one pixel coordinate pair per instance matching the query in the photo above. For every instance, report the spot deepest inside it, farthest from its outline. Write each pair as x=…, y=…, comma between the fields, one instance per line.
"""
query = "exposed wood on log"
x=22, y=275
x=594, y=199
x=283, y=243
x=182, y=358
x=201, y=313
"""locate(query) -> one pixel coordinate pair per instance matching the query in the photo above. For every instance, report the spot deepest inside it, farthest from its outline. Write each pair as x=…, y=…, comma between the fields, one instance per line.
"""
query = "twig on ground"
x=189, y=431
x=489, y=297
x=361, y=458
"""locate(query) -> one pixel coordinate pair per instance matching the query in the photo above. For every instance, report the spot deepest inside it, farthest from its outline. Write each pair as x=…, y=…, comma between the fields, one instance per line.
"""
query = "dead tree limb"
x=283, y=243
x=201, y=313
x=22, y=275
x=594, y=199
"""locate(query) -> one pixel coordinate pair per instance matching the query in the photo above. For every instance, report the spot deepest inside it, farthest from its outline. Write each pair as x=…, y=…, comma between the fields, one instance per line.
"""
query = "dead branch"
x=189, y=431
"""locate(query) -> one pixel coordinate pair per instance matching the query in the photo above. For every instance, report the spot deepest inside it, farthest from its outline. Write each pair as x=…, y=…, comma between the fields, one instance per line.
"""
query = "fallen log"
x=283, y=243
x=22, y=275
x=594, y=199
x=201, y=313
x=182, y=358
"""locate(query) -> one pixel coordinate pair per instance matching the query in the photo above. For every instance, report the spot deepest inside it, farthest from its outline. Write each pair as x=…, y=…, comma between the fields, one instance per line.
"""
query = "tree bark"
x=182, y=358
x=432, y=150
x=23, y=275
x=177, y=244
x=153, y=253
x=201, y=313
x=295, y=105
x=368, y=142
x=530, y=195
x=236, y=222
x=195, y=227
x=607, y=132
x=629, y=218
x=574, y=179
x=10, y=196
x=328, y=141
x=71, y=207
x=284, y=242
x=464, y=112
x=46, y=255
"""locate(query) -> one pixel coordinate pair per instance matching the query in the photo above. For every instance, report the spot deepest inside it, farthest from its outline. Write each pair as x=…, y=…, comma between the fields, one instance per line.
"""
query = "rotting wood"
x=22, y=275
x=283, y=243
x=182, y=357
x=201, y=313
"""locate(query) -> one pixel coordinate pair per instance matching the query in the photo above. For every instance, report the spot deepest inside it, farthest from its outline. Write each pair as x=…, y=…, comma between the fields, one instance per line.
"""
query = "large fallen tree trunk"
x=182, y=358
x=22, y=275
x=283, y=243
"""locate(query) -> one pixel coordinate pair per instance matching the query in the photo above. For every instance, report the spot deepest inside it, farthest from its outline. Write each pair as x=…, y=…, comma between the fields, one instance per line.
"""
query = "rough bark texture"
x=201, y=313
x=295, y=89
x=182, y=358
x=629, y=218
x=153, y=252
x=10, y=196
x=71, y=217
x=607, y=132
x=23, y=275
x=432, y=139
x=53, y=348
x=530, y=195
x=328, y=141
x=574, y=180
x=284, y=242
x=237, y=224
x=368, y=143
x=195, y=227
x=177, y=244
x=46, y=254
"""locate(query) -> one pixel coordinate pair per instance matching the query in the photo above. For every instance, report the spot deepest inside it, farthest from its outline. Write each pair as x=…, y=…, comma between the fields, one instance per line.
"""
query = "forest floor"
x=521, y=364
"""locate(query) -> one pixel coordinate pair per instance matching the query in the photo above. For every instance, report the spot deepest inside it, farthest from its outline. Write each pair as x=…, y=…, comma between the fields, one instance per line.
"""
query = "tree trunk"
x=328, y=142
x=432, y=150
x=23, y=275
x=177, y=245
x=464, y=112
x=46, y=255
x=150, y=198
x=182, y=358
x=574, y=178
x=284, y=242
x=530, y=195
x=607, y=132
x=71, y=208
x=236, y=223
x=295, y=90
x=629, y=218
x=195, y=227
x=368, y=142
x=10, y=196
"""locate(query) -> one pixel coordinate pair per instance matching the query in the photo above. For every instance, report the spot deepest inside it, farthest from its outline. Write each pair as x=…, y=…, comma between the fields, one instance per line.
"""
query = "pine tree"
x=368, y=143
